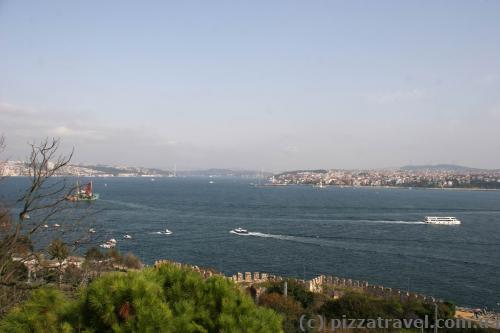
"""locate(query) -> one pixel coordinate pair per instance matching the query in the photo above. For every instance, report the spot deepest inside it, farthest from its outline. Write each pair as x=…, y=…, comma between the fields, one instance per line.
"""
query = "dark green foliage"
x=167, y=299
x=44, y=312
x=125, y=303
x=299, y=301
x=129, y=260
x=290, y=309
x=295, y=290
x=357, y=305
x=58, y=250
x=94, y=254
x=213, y=305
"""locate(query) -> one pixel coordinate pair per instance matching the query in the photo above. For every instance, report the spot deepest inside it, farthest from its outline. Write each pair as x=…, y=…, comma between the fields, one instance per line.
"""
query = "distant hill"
x=114, y=170
x=223, y=173
x=296, y=172
x=441, y=167
x=140, y=171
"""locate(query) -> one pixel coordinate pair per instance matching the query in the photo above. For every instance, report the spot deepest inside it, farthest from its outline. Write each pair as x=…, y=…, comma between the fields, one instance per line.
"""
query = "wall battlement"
x=319, y=284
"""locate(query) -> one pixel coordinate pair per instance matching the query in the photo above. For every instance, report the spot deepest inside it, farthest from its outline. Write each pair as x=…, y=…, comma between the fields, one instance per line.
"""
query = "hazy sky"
x=248, y=84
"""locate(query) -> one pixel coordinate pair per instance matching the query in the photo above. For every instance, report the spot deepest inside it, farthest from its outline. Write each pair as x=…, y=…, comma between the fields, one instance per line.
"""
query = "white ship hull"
x=446, y=220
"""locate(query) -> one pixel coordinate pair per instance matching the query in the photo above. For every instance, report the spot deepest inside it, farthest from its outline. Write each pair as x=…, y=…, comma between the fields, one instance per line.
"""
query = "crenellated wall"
x=319, y=284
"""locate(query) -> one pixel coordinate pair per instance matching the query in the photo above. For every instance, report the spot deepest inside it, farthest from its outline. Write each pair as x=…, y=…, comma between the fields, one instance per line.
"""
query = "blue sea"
x=371, y=234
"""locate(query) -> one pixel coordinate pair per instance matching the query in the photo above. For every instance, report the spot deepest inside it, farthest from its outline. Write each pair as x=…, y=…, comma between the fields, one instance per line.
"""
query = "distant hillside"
x=441, y=167
x=296, y=172
x=113, y=170
x=139, y=171
x=223, y=173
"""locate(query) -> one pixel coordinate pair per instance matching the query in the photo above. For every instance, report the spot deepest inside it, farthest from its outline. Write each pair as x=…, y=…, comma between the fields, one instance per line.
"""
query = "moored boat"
x=83, y=194
x=109, y=244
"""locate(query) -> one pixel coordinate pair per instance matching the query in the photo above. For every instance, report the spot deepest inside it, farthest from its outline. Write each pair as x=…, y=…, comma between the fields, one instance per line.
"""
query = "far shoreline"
x=394, y=187
x=278, y=184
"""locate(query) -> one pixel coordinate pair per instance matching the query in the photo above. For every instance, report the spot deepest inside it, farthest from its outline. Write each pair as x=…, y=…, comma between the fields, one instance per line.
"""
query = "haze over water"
x=371, y=234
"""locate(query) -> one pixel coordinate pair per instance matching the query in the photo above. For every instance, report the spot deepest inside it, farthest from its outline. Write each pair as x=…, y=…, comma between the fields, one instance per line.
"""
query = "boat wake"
x=300, y=239
x=347, y=244
x=132, y=205
x=386, y=221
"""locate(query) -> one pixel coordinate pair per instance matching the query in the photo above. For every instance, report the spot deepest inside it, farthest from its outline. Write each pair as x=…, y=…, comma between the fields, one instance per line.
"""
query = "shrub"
x=295, y=290
x=290, y=309
x=167, y=299
x=131, y=261
x=44, y=312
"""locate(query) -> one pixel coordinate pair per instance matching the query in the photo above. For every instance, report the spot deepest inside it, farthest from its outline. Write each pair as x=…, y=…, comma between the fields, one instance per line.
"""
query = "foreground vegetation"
x=348, y=304
x=164, y=299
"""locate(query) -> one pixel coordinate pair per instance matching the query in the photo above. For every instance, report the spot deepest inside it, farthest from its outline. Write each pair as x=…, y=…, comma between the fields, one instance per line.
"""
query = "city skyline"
x=312, y=85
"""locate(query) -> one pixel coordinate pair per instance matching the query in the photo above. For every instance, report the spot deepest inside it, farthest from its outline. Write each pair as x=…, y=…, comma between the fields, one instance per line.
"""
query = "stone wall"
x=319, y=284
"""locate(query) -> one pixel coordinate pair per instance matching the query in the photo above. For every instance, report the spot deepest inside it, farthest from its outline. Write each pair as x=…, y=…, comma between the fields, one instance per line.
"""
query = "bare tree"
x=43, y=200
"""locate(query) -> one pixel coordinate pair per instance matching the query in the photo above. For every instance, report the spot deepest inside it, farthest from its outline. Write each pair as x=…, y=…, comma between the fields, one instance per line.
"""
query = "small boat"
x=240, y=231
x=45, y=225
x=83, y=194
x=57, y=225
x=443, y=220
x=127, y=236
x=92, y=230
x=211, y=182
x=166, y=232
x=109, y=244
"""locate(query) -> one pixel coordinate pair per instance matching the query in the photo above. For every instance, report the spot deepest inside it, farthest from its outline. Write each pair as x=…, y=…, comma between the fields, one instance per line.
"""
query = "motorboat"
x=240, y=231
x=165, y=232
x=92, y=230
x=127, y=236
x=109, y=244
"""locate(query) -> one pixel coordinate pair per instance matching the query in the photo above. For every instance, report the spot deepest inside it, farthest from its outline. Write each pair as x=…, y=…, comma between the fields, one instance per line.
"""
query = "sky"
x=278, y=85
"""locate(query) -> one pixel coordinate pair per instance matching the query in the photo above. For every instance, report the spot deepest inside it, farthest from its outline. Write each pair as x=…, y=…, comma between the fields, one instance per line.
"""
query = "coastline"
x=393, y=187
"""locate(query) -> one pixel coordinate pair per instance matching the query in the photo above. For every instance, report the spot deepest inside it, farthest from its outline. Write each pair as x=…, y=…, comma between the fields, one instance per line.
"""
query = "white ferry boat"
x=446, y=220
